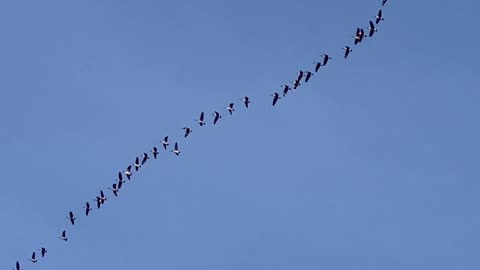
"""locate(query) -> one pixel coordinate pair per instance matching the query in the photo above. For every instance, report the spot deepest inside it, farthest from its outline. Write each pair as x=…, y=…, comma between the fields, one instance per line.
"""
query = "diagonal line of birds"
x=140, y=161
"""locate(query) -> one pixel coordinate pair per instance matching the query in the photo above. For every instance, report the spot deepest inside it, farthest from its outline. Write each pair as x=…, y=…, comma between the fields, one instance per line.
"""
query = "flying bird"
x=145, y=158
x=64, y=236
x=87, y=208
x=286, y=88
x=317, y=66
x=325, y=59
x=276, y=97
x=175, y=150
x=216, y=116
x=201, y=121
x=102, y=197
x=296, y=84
x=187, y=131
x=71, y=217
x=137, y=164
x=379, y=17
x=246, y=100
x=300, y=75
x=17, y=266
x=359, y=35
x=165, y=142
x=154, y=152
x=114, y=189
x=33, y=259
x=308, y=75
x=99, y=202
x=384, y=2
x=347, y=51
x=371, y=29
x=230, y=108
x=128, y=172
x=43, y=251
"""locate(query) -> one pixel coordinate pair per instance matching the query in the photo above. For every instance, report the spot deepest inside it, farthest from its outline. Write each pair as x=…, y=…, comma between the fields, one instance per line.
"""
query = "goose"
x=33, y=259
x=246, y=100
x=64, y=236
x=216, y=116
x=359, y=35
x=308, y=75
x=325, y=59
x=175, y=150
x=286, y=88
x=300, y=75
x=165, y=142
x=201, y=121
x=114, y=189
x=71, y=217
x=187, y=131
x=379, y=17
x=87, y=208
x=43, y=251
x=17, y=266
x=99, y=202
x=145, y=158
x=384, y=2
x=128, y=172
x=137, y=164
x=296, y=84
x=230, y=108
x=347, y=51
x=371, y=29
x=276, y=97
x=317, y=66
x=154, y=152
x=102, y=197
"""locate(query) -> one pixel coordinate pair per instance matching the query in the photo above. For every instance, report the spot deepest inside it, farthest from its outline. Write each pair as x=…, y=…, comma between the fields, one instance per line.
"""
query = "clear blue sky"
x=371, y=165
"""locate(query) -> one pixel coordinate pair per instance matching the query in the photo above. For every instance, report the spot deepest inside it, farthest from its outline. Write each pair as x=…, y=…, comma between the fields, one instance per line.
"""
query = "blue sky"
x=371, y=165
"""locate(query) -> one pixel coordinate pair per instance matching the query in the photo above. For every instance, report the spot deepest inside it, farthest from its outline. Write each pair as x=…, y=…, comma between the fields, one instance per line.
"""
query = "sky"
x=373, y=164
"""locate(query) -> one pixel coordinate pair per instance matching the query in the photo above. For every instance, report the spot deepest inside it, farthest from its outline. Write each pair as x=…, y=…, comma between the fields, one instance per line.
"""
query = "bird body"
x=175, y=150
x=165, y=142
x=33, y=259
x=230, y=108
x=246, y=101
x=64, y=236
x=187, y=131
x=216, y=116
x=276, y=97
x=201, y=120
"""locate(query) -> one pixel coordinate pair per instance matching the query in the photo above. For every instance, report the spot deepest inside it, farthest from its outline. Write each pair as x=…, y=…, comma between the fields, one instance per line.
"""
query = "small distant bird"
x=384, y=2
x=137, y=164
x=359, y=35
x=276, y=97
x=175, y=150
x=325, y=59
x=371, y=29
x=347, y=51
x=296, y=84
x=308, y=76
x=246, y=100
x=128, y=172
x=99, y=202
x=379, y=17
x=87, y=208
x=17, y=266
x=286, y=88
x=300, y=75
x=165, y=142
x=64, y=236
x=71, y=217
x=201, y=121
x=114, y=189
x=102, y=197
x=216, y=116
x=230, y=108
x=187, y=131
x=154, y=152
x=145, y=157
x=317, y=66
x=43, y=251
x=33, y=259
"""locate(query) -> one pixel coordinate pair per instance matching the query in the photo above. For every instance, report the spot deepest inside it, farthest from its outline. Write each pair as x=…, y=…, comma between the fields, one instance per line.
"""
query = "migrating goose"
x=379, y=17
x=43, y=251
x=276, y=97
x=175, y=150
x=317, y=66
x=137, y=164
x=154, y=152
x=286, y=88
x=114, y=189
x=347, y=51
x=300, y=75
x=64, y=236
x=33, y=259
x=384, y=2
x=165, y=142
x=99, y=202
x=71, y=217
x=296, y=84
x=230, y=108
x=359, y=35
x=371, y=29
x=187, y=131
x=102, y=197
x=325, y=59
x=87, y=208
x=246, y=100
x=216, y=116
x=145, y=157
x=201, y=121
x=17, y=266
x=308, y=76
x=128, y=172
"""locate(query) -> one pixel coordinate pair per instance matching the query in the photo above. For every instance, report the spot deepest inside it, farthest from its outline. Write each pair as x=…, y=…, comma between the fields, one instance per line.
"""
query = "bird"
x=246, y=100
x=102, y=197
x=379, y=17
x=359, y=36
x=114, y=189
x=43, y=251
x=154, y=152
x=371, y=29
x=187, y=131
x=64, y=236
x=87, y=208
x=347, y=51
x=175, y=150
x=384, y=2
x=99, y=202
x=317, y=66
x=145, y=158
x=300, y=75
x=165, y=142
x=128, y=172
x=201, y=121
x=71, y=217
x=17, y=266
x=33, y=259
x=286, y=88
x=230, y=108
x=325, y=59
x=308, y=75
x=216, y=116
x=296, y=84
x=137, y=164
x=276, y=97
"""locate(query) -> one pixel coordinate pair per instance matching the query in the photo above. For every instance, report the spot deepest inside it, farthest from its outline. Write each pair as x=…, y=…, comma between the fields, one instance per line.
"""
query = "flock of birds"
x=140, y=161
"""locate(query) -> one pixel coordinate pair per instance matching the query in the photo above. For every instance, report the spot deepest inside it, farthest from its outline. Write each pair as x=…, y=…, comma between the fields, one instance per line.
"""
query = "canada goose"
x=347, y=51
x=216, y=116
x=145, y=157
x=317, y=66
x=325, y=59
x=64, y=236
x=165, y=142
x=43, y=251
x=276, y=97
x=300, y=75
x=102, y=197
x=359, y=35
x=17, y=266
x=154, y=152
x=246, y=100
x=187, y=131
x=384, y=2
x=71, y=217
x=371, y=29
x=175, y=150
x=87, y=208
x=201, y=120
x=296, y=84
x=308, y=76
x=114, y=189
x=128, y=172
x=230, y=108
x=379, y=17
x=99, y=202
x=137, y=164
x=286, y=88
x=33, y=259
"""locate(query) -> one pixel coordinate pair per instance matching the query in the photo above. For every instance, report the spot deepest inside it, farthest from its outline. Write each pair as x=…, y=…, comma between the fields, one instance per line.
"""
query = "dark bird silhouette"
x=175, y=150
x=246, y=101
x=325, y=59
x=102, y=197
x=286, y=88
x=165, y=142
x=128, y=172
x=187, y=131
x=317, y=66
x=145, y=157
x=33, y=259
x=71, y=217
x=114, y=189
x=43, y=251
x=379, y=17
x=230, y=108
x=137, y=164
x=64, y=236
x=371, y=29
x=17, y=266
x=384, y=2
x=300, y=75
x=216, y=116
x=87, y=209
x=359, y=35
x=276, y=97
x=296, y=84
x=347, y=51
x=154, y=152
x=201, y=120
x=308, y=75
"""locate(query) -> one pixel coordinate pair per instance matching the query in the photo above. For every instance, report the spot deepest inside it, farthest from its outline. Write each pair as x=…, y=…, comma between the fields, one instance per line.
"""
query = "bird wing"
x=201, y=116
